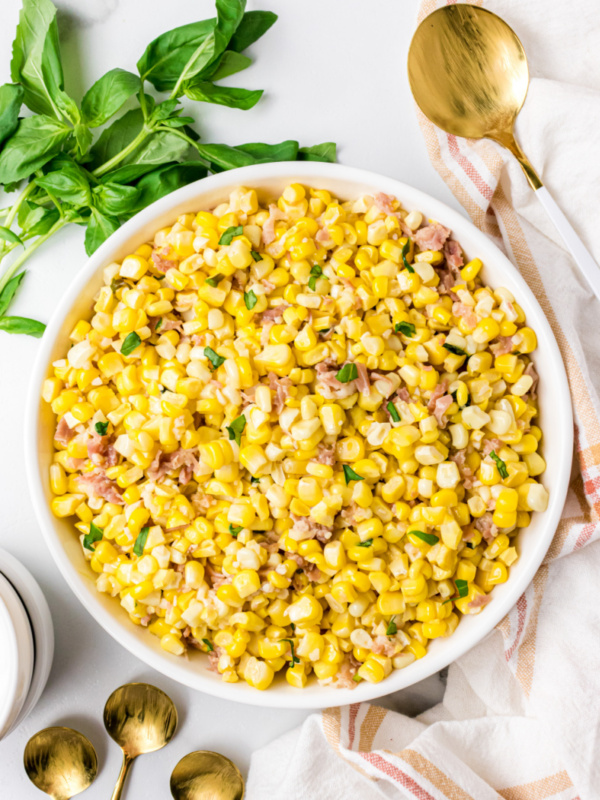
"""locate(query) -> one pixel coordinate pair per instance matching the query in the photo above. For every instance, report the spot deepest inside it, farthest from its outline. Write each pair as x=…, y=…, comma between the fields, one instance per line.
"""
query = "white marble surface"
x=332, y=70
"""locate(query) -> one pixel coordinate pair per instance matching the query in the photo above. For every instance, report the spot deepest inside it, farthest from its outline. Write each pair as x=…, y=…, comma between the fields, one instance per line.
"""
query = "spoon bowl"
x=204, y=775
x=141, y=719
x=61, y=762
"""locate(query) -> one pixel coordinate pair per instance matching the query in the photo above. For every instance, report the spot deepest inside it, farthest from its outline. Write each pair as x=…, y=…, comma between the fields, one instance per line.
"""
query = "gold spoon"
x=468, y=73
x=60, y=762
x=141, y=719
x=206, y=776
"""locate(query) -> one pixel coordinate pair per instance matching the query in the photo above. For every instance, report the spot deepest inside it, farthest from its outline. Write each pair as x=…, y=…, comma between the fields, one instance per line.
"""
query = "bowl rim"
x=18, y=648
x=325, y=696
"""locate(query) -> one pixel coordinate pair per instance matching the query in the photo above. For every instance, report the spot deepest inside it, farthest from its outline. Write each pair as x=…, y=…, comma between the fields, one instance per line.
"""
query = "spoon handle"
x=127, y=762
x=584, y=259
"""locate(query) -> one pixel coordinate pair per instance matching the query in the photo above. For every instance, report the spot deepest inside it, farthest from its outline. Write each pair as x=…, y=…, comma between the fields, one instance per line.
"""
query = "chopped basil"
x=250, y=299
x=101, y=428
x=235, y=529
x=215, y=359
x=366, y=543
x=500, y=464
x=392, y=628
x=407, y=328
x=254, y=480
x=256, y=256
x=132, y=340
x=117, y=283
x=462, y=587
x=393, y=411
x=228, y=235
x=470, y=545
x=405, y=250
x=350, y=475
x=140, y=542
x=429, y=538
x=214, y=280
x=208, y=644
x=94, y=535
x=158, y=324
x=454, y=349
x=236, y=429
x=295, y=660
x=357, y=679
x=349, y=372
x=315, y=273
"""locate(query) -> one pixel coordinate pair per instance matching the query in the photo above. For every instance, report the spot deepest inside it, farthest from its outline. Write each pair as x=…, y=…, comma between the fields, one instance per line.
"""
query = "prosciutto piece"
x=502, y=345
x=363, y=384
x=274, y=314
x=101, y=451
x=162, y=260
x=326, y=455
x=432, y=237
x=480, y=601
x=453, y=256
x=305, y=525
x=281, y=389
x=439, y=390
x=185, y=460
x=64, y=434
x=486, y=527
x=346, y=673
x=96, y=484
x=466, y=312
x=268, y=231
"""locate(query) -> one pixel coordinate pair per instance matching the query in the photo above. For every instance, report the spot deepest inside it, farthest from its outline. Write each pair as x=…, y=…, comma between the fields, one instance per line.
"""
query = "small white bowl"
x=270, y=180
x=38, y=612
x=16, y=656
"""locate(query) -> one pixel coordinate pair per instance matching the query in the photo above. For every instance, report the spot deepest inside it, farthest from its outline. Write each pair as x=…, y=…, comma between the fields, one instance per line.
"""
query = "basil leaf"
x=99, y=228
x=68, y=181
x=393, y=412
x=36, y=63
x=428, y=538
x=250, y=299
x=265, y=153
x=94, y=535
x=462, y=587
x=116, y=137
x=319, y=152
x=214, y=280
x=500, y=464
x=164, y=180
x=254, y=24
x=405, y=250
x=83, y=138
x=254, y=480
x=407, y=328
x=236, y=428
x=454, y=349
x=47, y=218
x=101, y=428
x=166, y=56
x=350, y=475
x=207, y=92
x=107, y=96
x=209, y=646
x=140, y=542
x=130, y=343
x=315, y=273
x=228, y=235
x=215, y=359
x=256, y=256
x=222, y=156
x=348, y=372
x=115, y=199
x=229, y=64
x=9, y=236
x=366, y=543
x=164, y=110
x=295, y=660
x=158, y=324
x=7, y=294
x=392, y=628
x=36, y=141
x=235, y=529
x=11, y=100
x=31, y=327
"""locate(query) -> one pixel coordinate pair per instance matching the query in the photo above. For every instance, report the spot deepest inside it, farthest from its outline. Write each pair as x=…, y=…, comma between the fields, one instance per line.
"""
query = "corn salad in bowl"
x=298, y=437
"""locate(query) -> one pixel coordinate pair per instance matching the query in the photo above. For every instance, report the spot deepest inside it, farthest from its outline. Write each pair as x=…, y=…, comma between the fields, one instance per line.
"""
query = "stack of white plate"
x=26, y=643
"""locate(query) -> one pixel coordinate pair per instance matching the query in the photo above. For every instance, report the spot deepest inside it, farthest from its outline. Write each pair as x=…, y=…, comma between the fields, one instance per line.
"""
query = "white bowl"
x=16, y=656
x=38, y=613
x=347, y=183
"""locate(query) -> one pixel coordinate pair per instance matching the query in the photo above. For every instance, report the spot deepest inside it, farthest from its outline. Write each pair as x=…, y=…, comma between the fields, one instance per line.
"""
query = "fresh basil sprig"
x=73, y=175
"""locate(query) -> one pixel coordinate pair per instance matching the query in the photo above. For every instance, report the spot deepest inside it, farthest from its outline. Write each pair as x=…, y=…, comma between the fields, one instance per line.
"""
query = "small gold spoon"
x=141, y=719
x=206, y=776
x=60, y=762
x=468, y=73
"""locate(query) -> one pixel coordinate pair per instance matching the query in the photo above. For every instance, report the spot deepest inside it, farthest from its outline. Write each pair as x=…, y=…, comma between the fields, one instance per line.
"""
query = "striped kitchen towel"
x=520, y=718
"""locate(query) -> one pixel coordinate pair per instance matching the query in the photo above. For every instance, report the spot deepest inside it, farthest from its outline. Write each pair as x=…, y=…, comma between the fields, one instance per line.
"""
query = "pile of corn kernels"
x=299, y=438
